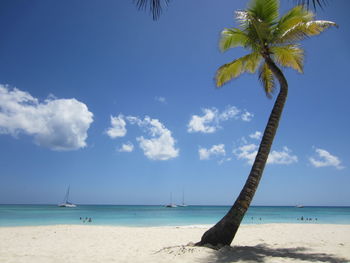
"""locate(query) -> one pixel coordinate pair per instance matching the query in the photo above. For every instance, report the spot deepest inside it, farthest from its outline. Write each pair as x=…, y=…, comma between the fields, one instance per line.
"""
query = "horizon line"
x=217, y=205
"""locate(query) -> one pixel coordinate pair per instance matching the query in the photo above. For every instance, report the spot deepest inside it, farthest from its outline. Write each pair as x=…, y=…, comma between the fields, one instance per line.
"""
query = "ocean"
x=140, y=215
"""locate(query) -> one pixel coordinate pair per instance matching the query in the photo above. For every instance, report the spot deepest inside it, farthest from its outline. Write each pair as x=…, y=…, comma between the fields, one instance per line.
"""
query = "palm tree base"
x=219, y=235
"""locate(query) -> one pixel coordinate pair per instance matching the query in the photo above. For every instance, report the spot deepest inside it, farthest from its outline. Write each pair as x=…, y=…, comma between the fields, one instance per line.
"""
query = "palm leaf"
x=252, y=62
x=257, y=30
x=289, y=56
x=303, y=30
x=155, y=6
x=229, y=71
x=315, y=3
x=267, y=79
x=265, y=10
x=253, y=26
x=242, y=19
x=233, y=38
x=293, y=17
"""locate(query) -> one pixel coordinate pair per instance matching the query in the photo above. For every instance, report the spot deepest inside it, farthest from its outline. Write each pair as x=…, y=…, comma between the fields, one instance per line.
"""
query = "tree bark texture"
x=225, y=230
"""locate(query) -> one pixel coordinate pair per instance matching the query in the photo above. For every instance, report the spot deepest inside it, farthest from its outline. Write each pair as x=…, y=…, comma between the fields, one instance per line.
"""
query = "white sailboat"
x=66, y=202
x=171, y=205
x=183, y=200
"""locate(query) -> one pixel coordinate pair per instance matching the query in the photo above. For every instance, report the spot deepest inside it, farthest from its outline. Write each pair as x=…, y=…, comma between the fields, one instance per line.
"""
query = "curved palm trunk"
x=224, y=231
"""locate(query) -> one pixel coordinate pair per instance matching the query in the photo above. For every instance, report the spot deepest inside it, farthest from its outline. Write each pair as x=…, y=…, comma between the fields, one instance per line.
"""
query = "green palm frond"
x=267, y=79
x=252, y=62
x=257, y=30
x=264, y=10
x=229, y=71
x=293, y=17
x=289, y=56
x=303, y=30
x=233, y=38
x=242, y=19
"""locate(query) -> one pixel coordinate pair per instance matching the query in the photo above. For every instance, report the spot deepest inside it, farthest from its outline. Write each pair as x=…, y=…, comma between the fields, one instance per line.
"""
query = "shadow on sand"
x=263, y=253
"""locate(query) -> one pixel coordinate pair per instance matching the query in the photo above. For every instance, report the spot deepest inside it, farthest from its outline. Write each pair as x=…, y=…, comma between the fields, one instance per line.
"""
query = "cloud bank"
x=57, y=124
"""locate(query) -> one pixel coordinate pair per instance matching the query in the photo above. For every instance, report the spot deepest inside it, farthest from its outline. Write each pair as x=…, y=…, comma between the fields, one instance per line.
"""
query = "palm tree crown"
x=265, y=34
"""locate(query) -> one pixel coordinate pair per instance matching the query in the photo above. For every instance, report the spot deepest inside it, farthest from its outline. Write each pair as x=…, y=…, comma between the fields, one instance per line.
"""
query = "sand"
x=103, y=244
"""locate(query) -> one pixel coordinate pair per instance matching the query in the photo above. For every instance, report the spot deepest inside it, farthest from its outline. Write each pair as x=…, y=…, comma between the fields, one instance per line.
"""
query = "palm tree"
x=273, y=43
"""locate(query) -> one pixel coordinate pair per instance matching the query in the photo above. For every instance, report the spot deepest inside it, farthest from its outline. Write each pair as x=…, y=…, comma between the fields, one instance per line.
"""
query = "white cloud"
x=247, y=116
x=134, y=120
x=58, y=124
x=282, y=157
x=257, y=135
x=324, y=158
x=118, y=127
x=210, y=121
x=224, y=160
x=161, y=145
x=229, y=113
x=215, y=150
x=205, y=123
x=248, y=152
x=161, y=100
x=126, y=147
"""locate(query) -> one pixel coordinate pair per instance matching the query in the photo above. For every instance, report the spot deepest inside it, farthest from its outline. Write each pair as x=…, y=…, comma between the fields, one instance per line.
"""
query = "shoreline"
x=99, y=243
x=199, y=226
x=190, y=205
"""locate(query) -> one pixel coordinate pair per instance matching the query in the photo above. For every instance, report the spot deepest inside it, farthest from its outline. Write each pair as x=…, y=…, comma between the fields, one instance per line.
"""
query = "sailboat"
x=183, y=200
x=66, y=202
x=171, y=205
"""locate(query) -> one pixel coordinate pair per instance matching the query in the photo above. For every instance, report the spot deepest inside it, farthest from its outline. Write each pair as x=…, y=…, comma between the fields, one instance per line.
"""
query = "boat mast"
x=183, y=197
x=66, y=196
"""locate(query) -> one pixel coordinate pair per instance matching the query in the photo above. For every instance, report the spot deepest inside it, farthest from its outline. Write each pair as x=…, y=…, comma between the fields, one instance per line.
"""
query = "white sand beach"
x=253, y=243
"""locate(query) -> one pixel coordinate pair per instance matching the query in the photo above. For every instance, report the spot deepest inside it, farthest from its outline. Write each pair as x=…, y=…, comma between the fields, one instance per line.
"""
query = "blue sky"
x=68, y=68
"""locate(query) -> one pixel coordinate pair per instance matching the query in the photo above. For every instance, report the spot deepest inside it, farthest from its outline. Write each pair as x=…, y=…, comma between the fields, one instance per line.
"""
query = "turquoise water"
x=25, y=215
